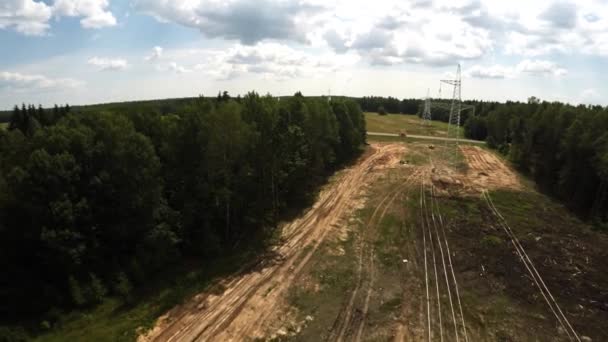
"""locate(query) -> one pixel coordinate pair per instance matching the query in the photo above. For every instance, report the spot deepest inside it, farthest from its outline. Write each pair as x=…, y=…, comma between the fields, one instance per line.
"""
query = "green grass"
x=3, y=125
x=411, y=124
x=114, y=320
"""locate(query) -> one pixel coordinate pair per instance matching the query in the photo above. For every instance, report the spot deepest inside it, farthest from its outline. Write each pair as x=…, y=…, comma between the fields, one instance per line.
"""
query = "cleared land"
x=403, y=247
x=411, y=124
x=3, y=125
x=248, y=304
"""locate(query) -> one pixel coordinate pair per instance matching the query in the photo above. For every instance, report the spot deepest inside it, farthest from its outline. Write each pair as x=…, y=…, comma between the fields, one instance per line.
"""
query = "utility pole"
x=454, y=122
x=456, y=107
x=426, y=115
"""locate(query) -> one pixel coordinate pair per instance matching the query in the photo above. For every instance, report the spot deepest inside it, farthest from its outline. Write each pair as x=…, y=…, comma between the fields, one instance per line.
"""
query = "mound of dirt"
x=486, y=171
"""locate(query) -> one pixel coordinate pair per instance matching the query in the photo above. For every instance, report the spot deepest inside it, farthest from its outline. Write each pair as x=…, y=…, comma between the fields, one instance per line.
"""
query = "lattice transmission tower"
x=455, y=108
x=426, y=115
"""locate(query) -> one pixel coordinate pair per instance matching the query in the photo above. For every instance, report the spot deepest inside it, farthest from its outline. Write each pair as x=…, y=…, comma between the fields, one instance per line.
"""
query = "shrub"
x=491, y=241
x=381, y=110
x=13, y=335
x=76, y=292
x=123, y=286
x=97, y=290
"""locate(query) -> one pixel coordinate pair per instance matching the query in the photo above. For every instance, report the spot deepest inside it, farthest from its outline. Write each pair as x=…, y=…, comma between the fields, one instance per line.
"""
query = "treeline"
x=29, y=118
x=564, y=148
x=440, y=111
x=94, y=203
x=389, y=104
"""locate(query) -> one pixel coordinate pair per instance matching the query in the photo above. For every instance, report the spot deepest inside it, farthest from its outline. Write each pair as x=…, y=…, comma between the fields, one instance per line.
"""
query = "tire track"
x=464, y=327
x=243, y=308
x=399, y=190
x=426, y=277
x=563, y=321
x=428, y=230
x=445, y=271
x=345, y=324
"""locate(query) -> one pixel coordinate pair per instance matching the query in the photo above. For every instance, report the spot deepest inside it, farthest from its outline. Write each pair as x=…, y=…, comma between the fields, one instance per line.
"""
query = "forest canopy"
x=564, y=148
x=95, y=200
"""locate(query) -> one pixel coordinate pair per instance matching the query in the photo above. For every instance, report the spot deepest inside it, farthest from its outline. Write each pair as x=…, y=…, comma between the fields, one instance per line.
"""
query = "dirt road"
x=251, y=301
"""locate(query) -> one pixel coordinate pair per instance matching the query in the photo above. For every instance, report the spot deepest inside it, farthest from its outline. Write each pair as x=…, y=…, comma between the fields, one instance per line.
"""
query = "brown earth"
x=487, y=171
x=496, y=296
x=250, y=302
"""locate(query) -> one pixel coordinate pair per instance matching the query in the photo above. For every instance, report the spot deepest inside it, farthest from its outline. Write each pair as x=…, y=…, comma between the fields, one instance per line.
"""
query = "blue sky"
x=91, y=51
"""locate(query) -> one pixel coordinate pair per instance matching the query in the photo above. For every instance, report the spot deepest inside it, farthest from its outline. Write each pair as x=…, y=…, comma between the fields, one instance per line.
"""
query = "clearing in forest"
x=386, y=253
x=411, y=124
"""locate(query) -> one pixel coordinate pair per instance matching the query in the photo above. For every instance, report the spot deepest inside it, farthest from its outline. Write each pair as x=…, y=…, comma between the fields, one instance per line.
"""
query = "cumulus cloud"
x=525, y=67
x=335, y=41
x=157, y=53
x=495, y=71
x=25, y=16
x=108, y=63
x=541, y=67
x=93, y=12
x=174, y=67
x=246, y=21
x=271, y=61
x=561, y=15
x=31, y=17
x=24, y=82
x=431, y=32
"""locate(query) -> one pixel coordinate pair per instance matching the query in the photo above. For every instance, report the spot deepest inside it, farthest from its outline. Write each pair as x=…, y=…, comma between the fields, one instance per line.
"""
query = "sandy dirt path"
x=250, y=302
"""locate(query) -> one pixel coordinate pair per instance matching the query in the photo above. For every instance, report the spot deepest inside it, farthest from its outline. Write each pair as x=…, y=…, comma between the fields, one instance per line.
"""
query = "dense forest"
x=95, y=200
x=564, y=148
x=389, y=104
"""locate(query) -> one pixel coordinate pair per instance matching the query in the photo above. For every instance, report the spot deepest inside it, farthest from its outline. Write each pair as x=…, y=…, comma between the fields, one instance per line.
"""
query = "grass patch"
x=491, y=241
x=411, y=124
x=113, y=320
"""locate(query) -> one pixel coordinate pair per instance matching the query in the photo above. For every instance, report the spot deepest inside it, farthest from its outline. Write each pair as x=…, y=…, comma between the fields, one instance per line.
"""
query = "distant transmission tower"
x=456, y=107
x=454, y=122
x=426, y=115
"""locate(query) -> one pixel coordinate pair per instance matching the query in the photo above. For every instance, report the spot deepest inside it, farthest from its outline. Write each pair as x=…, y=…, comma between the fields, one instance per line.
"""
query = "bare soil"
x=384, y=254
x=247, y=304
x=487, y=171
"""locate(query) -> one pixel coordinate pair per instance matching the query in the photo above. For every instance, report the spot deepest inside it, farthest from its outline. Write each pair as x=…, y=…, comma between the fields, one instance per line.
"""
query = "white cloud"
x=25, y=82
x=495, y=71
x=173, y=66
x=271, y=61
x=525, y=67
x=590, y=94
x=25, y=16
x=540, y=67
x=32, y=18
x=157, y=53
x=246, y=21
x=108, y=63
x=93, y=12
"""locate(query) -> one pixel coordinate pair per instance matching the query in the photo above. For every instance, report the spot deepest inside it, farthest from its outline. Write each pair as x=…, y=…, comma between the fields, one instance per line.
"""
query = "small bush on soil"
x=491, y=241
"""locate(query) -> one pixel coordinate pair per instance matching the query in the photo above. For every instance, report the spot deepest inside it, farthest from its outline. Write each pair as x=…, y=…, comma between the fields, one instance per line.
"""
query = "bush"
x=123, y=287
x=76, y=292
x=491, y=241
x=13, y=335
x=381, y=110
x=97, y=290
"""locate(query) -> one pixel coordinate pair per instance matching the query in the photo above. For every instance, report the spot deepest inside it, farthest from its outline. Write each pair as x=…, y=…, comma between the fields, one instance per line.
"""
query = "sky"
x=94, y=51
